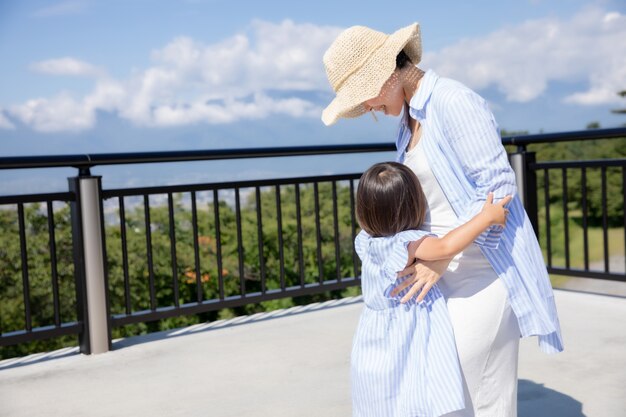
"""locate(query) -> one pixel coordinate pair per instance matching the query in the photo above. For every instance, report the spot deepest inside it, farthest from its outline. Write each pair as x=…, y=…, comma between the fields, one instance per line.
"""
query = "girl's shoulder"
x=380, y=248
x=409, y=236
x=365, y=239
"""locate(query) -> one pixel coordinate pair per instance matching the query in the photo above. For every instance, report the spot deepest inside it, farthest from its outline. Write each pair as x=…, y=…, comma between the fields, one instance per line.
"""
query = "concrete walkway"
x=296, y=363
x=600, y=286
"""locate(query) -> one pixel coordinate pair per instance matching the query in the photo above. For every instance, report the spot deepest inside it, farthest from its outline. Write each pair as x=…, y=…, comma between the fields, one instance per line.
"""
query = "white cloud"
x=60, y=113
x=263, y=71
x=522, y=60
x=289, y=56
x=66, y=113
x=277, y=56
x=259, y=107
x=192, y=82
x=67, y=66
x=611, y=16
x=108, y=95
x=605, y=84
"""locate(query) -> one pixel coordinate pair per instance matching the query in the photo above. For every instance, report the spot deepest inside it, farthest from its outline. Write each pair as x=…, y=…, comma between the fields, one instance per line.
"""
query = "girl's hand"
x=496, y=213
x=423, y=275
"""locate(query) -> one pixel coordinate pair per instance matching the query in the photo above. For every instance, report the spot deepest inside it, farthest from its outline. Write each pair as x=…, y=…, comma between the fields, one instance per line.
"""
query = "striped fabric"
x=404, y=360
x=462, y=143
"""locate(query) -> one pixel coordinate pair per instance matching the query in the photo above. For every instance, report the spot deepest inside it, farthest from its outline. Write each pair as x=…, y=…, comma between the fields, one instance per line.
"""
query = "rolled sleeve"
x=473, y=136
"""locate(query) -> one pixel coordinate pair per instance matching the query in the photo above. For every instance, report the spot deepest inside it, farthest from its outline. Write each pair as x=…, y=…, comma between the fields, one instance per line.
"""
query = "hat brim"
x=367, y=81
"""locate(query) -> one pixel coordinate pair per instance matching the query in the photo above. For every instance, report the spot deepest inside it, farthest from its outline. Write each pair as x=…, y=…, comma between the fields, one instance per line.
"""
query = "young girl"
x=404, y=360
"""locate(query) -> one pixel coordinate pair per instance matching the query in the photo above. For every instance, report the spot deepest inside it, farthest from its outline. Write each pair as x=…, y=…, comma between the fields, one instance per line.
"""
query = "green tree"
x=620, y=111
x=40, y=287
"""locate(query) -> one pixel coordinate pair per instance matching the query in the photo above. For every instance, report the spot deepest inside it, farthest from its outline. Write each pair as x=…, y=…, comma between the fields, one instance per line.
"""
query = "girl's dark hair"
x=389, y=200
x=402, y=59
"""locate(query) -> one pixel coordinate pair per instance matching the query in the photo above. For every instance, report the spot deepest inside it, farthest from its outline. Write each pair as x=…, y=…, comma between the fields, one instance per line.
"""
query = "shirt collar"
x=420, y=97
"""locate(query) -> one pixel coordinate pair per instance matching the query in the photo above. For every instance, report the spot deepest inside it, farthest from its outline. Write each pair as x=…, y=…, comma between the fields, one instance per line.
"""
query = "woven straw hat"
x=359, y=62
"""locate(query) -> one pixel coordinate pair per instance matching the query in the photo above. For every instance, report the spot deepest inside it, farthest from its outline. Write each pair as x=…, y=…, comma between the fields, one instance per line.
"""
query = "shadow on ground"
x=535, y=400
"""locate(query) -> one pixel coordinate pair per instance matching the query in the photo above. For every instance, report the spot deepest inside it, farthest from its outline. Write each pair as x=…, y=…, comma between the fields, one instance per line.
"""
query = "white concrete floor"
x=296, y=363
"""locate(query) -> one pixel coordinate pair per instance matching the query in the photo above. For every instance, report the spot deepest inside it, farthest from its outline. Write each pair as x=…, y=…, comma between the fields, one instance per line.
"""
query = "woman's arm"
x=433, y=248
x=472, y=135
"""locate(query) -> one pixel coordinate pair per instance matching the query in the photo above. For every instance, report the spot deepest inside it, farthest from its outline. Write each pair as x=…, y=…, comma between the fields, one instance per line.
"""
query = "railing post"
x=526, y=179
x=89, y=263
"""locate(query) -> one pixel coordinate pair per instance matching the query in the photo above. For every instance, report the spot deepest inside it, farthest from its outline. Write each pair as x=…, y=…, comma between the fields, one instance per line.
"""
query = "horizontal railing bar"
x=592, y=163
x=233, y=301
x=588, y=274
x=91, y=160
x=126, y=192
x=37, y=198
x=39, y=333
x=589, y=134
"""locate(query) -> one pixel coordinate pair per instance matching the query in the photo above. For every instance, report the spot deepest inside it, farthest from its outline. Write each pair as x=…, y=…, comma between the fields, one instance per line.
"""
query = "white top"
x=440, y=217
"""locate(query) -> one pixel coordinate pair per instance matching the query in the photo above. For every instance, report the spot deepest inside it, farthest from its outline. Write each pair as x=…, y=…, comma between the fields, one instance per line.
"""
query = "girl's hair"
x=402, y=59
x=389, y=200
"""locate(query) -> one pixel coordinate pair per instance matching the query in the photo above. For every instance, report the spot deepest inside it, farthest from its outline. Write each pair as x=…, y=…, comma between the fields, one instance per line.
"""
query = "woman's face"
x=391, y=98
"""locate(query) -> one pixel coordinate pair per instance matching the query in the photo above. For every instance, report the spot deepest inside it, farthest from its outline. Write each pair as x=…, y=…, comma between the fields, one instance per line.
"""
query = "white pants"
x=487, y=337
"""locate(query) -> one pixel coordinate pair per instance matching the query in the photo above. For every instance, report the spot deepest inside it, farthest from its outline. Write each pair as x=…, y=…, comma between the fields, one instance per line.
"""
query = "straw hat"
x=359, y=62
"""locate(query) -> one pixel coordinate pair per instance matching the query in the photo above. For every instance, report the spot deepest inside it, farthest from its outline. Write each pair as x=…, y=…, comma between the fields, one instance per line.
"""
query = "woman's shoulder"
x=451, y=86
x=448, y=91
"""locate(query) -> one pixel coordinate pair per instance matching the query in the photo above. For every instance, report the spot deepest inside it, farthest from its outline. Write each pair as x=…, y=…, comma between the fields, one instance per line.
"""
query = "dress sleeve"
x=473, y=136
x=360, y=244
x=398, y=254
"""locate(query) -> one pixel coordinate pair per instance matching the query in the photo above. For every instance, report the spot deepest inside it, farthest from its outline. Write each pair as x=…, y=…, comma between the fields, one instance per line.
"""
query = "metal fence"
x=315, y=228
x=61, y=324
x=249, y=289
x=563, y=169
x=541, y=183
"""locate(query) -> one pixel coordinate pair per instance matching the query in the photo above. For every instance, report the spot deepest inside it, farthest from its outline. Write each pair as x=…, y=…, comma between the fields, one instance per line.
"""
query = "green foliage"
x=40, y=288
x=588, y=150
x=578, y=151
x=185, y=277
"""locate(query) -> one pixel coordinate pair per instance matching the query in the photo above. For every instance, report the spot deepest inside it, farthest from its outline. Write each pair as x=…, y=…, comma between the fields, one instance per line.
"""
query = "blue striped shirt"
x=404, y=360
x=462, y=143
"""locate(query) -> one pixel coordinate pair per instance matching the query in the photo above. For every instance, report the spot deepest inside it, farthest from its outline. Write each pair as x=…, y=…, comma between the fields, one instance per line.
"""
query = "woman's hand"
x=423, y=275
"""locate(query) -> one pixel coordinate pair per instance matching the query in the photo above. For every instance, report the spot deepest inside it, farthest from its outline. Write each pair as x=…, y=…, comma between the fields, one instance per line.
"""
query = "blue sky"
x=94, y=76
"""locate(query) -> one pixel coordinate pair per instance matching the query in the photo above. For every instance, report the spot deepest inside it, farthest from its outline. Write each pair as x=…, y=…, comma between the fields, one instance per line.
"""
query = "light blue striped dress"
x=462, y=144
x=404, y=360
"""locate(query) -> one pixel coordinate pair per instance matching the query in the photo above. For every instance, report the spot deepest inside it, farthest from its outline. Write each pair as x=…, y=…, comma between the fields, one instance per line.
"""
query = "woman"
x=496, y=290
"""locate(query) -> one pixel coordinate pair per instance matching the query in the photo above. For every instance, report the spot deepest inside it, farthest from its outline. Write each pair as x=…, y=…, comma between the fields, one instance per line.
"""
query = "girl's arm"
x=433, y=248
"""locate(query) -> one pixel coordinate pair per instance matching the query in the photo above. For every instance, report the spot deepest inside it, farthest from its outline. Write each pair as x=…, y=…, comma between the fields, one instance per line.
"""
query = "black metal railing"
x=220, y=245
x=565, y=170
x=548, y=202
x=252, y=285
x=57, y=320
